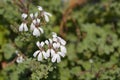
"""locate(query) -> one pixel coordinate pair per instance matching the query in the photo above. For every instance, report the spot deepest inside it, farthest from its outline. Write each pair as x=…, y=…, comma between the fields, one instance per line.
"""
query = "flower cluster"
x=35, y=25
x=55, y=49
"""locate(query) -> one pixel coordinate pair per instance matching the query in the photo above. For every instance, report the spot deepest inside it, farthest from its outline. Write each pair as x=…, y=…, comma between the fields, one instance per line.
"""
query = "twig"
x=72, y=5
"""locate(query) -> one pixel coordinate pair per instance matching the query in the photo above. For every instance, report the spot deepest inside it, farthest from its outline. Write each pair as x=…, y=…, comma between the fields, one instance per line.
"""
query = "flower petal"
x=36, y=53
x=61, y=54
x=32, y=27
x=36, y=32
x=38, y=44
x=44, y=54
x=50, y=40
x=54, y=58
x=46, y=41
x=38, y=21
x=19, y=59
x=55, y=39
x=42, y=44
x=62, y=41
x=31, y=15
x=48, y=53
x=21, y=27
x=58, y=58
x=63, y=49
x=48, y=14
x=25, y=27
x=58, y=44
x=46, y=18
x=55, y=45
x=40, y=56
x=41, y=30
x=24, y=15
x=54, y=34
x=34, y=21
x=52, y=52
x=36, y=14
x=40, y=8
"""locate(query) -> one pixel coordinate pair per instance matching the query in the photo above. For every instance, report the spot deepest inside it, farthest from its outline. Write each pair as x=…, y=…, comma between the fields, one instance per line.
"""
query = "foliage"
x=92, y=32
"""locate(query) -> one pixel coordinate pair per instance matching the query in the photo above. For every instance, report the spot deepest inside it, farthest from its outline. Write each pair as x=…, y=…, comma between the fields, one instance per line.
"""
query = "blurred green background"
x=90, y=27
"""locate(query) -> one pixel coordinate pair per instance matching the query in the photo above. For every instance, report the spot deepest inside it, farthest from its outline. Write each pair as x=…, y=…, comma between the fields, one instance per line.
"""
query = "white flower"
x=59, y=48
x=50, y=50
x=37, y=31
x=19, y=59
x=35, y=22
x=46, y=16
x=56, y=55
x=41, y=53
x=44, y=13
x=33, y=16
x=24, y=15
x=40, y=45
x=54, y=34
x=23, y=27
x=40, y=8
x=62, y=41
x=58, y=39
